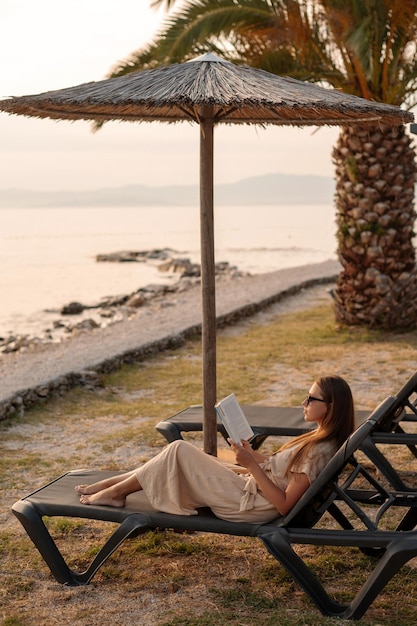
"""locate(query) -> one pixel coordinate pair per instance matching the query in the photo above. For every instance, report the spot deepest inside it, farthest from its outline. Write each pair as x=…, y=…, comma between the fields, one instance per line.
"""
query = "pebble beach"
x=164, y=322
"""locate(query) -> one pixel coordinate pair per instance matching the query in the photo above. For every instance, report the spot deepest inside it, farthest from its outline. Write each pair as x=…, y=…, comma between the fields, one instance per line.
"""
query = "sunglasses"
x=308, y=399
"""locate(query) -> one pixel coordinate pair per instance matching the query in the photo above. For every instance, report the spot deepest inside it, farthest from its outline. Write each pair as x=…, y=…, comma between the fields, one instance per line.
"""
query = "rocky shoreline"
x=76, y=317
x=30, y=375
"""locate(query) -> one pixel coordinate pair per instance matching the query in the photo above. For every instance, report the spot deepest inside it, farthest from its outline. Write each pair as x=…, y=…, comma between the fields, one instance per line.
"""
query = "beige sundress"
x=183, y=478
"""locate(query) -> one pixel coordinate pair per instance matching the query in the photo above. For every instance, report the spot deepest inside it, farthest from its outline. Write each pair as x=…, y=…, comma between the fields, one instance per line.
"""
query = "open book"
x=233, y=419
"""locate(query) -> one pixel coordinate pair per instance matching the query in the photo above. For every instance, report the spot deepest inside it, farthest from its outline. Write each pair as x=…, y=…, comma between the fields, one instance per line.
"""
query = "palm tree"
x=366, y=48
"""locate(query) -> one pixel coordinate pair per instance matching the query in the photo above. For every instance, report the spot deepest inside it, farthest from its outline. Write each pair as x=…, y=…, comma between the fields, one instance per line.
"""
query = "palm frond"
x=364, y=48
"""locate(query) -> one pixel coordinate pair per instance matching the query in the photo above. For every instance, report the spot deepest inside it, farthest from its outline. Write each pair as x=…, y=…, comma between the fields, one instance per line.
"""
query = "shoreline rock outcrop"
x=76, y=317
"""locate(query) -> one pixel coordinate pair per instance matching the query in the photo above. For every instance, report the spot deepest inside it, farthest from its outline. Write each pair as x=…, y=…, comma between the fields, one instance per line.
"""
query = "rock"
x=153, y=290
x=107, y=313
x=165, y=253
x=16, y=343
x=136, y=301
x=89, y=378
x=58, y=324
x=42, y=391
x=88, y=324
x=73, y=308
x=113, y=301
x=180, y=266
x=134, y=256
x=119, y=257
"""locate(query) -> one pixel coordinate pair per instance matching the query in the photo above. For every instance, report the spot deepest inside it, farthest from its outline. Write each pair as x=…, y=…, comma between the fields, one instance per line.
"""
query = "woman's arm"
x=257, y=456
x=282, y=500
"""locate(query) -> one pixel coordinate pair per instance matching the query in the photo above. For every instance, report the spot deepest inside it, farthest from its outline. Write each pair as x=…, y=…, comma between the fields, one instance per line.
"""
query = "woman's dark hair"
x=338, y=422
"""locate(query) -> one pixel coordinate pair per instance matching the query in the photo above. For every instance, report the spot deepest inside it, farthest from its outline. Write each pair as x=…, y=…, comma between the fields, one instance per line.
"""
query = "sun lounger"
x=266, y=421
x=401, y=430
x=335, y=492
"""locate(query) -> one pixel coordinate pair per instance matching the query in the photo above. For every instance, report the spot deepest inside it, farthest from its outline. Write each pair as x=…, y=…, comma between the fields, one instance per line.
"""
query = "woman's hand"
x=245, y=455
x=283, y=500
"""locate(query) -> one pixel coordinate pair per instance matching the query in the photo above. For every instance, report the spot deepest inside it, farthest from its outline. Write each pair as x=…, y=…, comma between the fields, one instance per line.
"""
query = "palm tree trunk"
x=375, y=176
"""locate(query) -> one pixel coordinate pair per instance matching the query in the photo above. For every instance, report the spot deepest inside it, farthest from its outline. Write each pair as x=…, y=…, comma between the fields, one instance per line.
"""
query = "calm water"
x=47, y=256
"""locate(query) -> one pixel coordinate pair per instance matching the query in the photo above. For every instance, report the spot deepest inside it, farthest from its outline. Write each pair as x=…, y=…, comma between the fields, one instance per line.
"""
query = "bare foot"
x=88, y=490
x=85, y=489
x=103, y=498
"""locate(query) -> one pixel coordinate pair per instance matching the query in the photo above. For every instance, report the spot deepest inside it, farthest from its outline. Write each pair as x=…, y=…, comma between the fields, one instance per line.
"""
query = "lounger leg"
x=279, y=546
x=130, y=527
x=32, y=522
x=398, y=552
x=409, y=521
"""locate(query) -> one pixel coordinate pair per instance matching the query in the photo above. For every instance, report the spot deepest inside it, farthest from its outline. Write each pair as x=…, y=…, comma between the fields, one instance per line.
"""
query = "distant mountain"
x=267, y=189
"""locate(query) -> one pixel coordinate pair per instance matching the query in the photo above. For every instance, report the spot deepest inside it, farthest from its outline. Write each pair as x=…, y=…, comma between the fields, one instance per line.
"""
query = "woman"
x=182, y=478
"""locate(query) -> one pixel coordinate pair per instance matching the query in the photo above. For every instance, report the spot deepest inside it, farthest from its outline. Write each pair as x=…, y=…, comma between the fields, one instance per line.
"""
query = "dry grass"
x=166, y=578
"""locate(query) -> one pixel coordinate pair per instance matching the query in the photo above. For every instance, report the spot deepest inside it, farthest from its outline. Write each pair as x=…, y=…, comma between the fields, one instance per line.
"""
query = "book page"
x=234, y=419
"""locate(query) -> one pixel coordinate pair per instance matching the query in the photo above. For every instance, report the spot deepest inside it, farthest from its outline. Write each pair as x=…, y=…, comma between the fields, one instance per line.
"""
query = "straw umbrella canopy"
x=208, y=91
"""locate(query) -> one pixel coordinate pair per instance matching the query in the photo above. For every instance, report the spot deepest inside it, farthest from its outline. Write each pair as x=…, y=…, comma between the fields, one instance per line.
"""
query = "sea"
x=48, y=255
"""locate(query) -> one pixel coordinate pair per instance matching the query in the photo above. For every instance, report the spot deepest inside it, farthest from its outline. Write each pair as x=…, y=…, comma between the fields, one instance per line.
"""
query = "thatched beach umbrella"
x=207, y=91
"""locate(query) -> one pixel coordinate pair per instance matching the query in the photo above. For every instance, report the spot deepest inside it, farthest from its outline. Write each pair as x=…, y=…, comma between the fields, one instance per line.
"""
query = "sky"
x=50, y=44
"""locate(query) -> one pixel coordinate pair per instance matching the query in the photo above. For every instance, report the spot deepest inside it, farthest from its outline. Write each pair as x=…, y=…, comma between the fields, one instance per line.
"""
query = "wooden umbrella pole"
x=208, y=288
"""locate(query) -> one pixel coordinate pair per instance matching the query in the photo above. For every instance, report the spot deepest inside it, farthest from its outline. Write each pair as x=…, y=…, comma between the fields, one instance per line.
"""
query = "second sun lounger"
x=266, y=421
